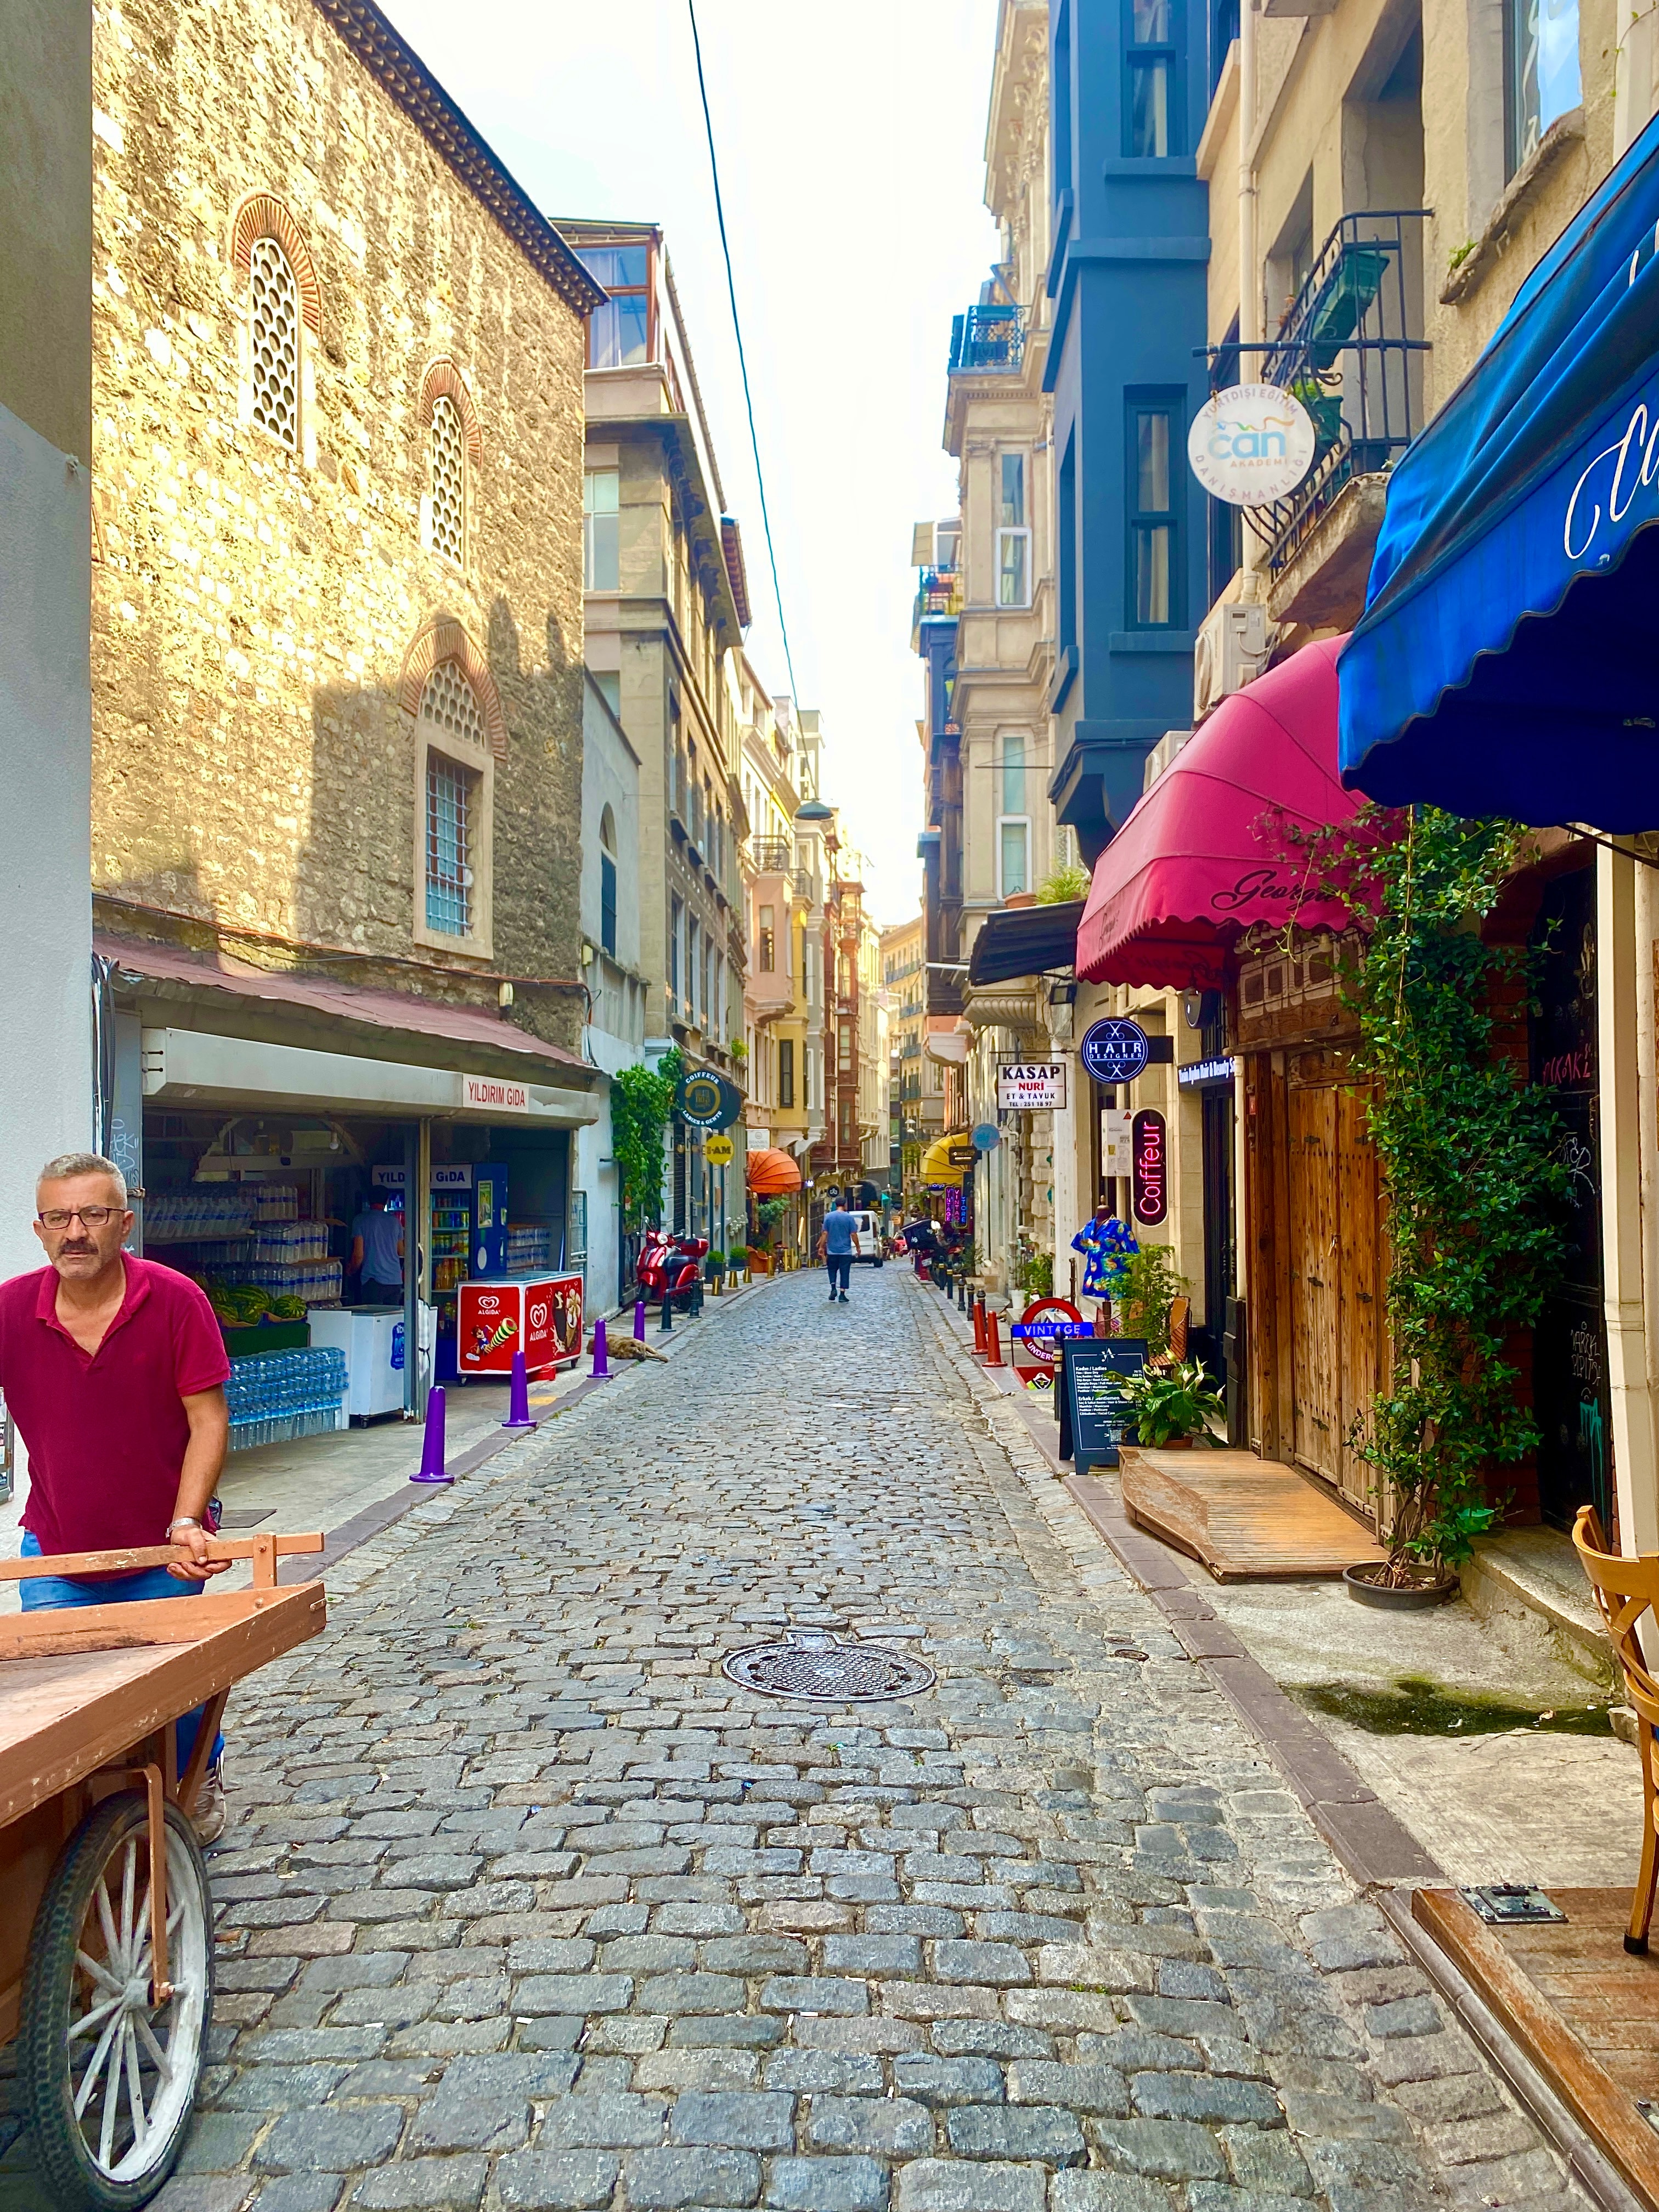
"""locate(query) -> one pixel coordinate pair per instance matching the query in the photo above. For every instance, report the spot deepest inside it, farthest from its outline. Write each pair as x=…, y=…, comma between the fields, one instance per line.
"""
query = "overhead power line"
x=743, y=358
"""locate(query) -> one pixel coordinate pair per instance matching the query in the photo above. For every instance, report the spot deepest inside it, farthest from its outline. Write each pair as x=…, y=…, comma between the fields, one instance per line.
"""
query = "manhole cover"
x=818, y=1668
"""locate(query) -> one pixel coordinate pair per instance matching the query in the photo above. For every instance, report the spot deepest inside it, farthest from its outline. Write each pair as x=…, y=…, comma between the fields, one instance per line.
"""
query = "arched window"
x=275, y=312
x=449, y=481
x=608, y=881
x=455, y=844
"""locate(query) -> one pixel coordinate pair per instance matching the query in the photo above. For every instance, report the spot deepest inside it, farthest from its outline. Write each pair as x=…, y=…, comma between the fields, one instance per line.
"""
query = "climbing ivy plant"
x=641, y=1103
x=1466, y=1148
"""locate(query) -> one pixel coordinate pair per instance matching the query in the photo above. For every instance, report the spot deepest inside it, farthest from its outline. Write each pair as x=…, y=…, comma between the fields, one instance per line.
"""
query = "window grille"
x=449, y=702
x=448, y=847
x=275, y=306
x=449, y=481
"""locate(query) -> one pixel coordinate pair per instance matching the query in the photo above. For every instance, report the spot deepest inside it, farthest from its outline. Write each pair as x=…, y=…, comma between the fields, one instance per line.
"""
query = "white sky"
x=851, y=143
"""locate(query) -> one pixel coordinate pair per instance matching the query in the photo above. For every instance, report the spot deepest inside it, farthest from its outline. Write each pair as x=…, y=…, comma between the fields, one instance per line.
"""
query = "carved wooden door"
x=1360, y=1289
x=1315, y=1273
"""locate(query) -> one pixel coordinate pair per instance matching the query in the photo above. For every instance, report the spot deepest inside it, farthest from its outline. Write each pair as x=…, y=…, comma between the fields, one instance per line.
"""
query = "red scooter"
x=671, y=1267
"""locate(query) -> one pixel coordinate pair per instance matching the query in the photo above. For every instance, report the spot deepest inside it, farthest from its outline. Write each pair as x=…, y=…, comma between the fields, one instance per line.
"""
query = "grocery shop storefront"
x=263, y=1114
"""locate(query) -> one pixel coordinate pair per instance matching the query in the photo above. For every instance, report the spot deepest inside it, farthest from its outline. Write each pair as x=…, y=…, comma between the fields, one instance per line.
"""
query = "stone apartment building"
x=916, y=1085
x=778, y=895
x=667, y=604
x=336, y=613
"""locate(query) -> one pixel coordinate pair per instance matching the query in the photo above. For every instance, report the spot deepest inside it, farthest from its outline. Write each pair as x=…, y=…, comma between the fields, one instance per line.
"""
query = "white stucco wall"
x=46, y=861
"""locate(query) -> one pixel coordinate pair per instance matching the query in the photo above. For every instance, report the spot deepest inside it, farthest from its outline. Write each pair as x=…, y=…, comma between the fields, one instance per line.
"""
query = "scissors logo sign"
x=1115, y=1050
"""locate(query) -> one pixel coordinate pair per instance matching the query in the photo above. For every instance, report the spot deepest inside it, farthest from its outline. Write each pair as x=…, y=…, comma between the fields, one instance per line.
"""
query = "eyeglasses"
x=89, y=1217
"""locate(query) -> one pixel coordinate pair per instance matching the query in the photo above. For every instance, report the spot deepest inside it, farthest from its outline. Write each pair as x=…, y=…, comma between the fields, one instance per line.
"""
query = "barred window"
x=449, y=831
x=449, y=481
x=276, y=310
x=449, y=701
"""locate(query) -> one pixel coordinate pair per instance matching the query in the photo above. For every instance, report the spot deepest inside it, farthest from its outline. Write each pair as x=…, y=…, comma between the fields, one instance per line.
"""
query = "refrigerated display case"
x=539, y=1315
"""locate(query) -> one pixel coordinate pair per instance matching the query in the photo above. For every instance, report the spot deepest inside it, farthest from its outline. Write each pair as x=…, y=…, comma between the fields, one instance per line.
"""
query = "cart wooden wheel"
x=109, y=2073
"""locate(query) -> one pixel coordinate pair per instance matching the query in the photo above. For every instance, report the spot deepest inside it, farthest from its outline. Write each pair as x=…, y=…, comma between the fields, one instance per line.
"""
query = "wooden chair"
x=1624, y=1591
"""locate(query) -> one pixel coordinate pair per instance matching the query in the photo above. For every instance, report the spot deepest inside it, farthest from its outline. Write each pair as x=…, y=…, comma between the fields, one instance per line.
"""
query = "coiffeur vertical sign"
x=1149, y=1180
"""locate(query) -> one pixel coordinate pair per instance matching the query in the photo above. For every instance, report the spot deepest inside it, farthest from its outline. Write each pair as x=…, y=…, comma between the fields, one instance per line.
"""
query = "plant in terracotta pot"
x=1177, y=1404
x=1468, y=1154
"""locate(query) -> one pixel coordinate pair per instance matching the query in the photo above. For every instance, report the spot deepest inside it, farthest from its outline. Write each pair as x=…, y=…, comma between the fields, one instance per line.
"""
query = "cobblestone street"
x=527, y=1906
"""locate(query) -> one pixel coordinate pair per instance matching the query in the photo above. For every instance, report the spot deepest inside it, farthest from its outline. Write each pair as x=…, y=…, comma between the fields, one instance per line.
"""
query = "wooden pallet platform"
x=1243, y=1518
x=1580, y=2006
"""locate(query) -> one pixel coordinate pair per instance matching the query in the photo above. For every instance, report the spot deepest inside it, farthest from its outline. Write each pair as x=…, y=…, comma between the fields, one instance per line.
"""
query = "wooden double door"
x=1317, y=1301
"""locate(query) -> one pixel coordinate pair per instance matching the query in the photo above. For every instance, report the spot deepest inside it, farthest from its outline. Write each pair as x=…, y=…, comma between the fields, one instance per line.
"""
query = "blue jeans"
x=839, y=1264
x=53, y=1593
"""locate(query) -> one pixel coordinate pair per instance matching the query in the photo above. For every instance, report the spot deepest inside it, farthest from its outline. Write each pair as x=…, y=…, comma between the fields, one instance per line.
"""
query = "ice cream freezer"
x=539, y=1315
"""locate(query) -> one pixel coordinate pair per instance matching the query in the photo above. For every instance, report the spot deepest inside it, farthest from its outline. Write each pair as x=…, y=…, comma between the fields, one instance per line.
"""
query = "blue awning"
x=1508, y=658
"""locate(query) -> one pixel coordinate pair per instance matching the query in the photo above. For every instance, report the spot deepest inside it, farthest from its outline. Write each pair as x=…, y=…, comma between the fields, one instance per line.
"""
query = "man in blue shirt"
x=377, y=1253
x=838, y=1243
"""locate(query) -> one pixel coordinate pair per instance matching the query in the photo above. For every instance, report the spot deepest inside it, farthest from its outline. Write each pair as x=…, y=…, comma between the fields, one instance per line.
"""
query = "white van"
x=868, y=1226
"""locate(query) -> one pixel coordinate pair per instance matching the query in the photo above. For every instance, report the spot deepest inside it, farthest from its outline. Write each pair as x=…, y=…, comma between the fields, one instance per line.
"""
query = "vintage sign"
x=1115, y=1050
x=1149, y=1164
x=1025, y=1086
x=1251, y=444
x=718, y=1148
x=1093, y=1418
x=1036, y=1338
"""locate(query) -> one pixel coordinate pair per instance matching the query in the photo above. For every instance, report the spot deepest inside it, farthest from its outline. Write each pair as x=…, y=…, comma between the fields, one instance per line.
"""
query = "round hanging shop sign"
x=717, y=1150
x=1035, y=1340
x=709, y=1101
x=986, y=1137
x=1115, y=1050
x=1251, y=444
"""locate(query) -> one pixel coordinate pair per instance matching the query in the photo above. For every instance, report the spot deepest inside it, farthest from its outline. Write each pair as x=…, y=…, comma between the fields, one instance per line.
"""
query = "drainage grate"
x=818, y=1669
x=1510, y=1903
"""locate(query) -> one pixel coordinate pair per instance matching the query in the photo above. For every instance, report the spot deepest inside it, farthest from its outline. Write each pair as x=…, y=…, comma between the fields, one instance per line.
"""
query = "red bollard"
x=979, y=1326
x=993, y=1340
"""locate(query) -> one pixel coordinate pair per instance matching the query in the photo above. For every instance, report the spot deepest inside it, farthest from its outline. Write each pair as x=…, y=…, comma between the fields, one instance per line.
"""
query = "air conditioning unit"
x=1232, y=651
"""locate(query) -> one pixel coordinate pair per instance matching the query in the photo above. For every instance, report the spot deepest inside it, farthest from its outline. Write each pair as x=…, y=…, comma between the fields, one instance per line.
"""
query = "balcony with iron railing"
x=771, y=856
x=938, y=599
x=989, y=336
x=1345, y=350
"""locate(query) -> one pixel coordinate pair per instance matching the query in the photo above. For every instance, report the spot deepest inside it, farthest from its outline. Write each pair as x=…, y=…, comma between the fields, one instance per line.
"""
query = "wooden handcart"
x=106, y=1918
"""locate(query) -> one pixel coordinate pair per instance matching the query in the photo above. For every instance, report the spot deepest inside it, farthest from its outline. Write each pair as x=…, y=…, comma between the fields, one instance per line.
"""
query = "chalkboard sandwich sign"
x=1094, y=1420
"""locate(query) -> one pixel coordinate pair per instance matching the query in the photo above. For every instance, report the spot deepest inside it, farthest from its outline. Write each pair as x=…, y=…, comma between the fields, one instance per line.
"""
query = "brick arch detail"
x=262, y=214
x=444, y=638
x=444, y=380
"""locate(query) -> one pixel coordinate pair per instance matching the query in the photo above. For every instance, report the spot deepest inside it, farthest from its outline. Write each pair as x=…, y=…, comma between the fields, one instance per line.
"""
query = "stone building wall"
x=256, y=609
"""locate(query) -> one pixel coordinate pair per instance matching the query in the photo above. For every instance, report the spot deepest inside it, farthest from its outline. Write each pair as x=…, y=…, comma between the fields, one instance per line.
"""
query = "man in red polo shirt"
x=113, y=1369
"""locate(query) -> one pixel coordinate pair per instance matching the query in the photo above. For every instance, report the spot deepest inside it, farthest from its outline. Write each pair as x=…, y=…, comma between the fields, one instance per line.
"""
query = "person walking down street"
x=1105, y=1243
x=377, y=1253
x=838, y=1246
x=114, y=1369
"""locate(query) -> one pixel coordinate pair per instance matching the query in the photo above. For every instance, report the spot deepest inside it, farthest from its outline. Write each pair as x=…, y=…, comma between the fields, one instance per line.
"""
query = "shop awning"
x=1025, y=941
x=1504, y=664
x=1203, y=856
x=939, y=1170
x=772, y=1174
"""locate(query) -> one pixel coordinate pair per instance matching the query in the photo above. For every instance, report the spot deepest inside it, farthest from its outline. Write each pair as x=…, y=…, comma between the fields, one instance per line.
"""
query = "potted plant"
x=1147, y=1283
x=1175, y=1405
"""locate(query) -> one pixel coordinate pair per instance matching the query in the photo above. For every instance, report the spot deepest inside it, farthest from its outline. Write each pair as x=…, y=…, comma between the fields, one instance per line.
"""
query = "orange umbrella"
x=771, y=1173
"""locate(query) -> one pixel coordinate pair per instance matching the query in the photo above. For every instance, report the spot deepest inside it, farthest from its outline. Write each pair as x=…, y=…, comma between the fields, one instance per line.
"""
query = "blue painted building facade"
x=1129, y=84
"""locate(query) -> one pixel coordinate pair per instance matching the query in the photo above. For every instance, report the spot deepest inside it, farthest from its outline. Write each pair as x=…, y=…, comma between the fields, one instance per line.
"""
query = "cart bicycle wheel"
x=111, y=2077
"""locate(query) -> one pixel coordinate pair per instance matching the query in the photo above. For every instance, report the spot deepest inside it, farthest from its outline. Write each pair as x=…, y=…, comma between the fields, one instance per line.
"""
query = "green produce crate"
x=247, y=1343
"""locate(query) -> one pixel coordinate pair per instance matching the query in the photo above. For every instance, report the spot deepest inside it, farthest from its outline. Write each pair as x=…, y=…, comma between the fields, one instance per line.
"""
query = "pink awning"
x=1203, y=854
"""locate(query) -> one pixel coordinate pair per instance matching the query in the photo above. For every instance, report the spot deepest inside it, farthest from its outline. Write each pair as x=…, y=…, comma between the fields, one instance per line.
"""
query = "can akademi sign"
x=1251, y=444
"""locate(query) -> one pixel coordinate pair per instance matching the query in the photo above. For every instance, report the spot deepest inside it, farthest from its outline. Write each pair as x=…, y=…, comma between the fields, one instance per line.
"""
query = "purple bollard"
x=432, y=1448
x=601, y=1353
x=518, y=1399
x=639, y=1320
